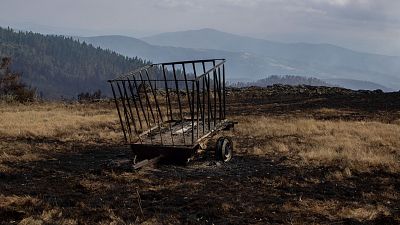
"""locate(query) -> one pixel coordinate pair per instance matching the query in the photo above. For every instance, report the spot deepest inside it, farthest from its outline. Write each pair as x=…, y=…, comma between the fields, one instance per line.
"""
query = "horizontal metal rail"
x=189, y=61
x=211, y=70
x=123, y=76
x=135, y=72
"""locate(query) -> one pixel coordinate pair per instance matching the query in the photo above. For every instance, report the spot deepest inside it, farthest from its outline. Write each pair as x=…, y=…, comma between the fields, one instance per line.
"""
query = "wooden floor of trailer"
x=179, y=134
x=177, y=140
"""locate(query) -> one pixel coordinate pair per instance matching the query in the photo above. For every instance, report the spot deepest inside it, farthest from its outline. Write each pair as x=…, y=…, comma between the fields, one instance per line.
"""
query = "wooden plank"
x=147, y=162
x=185, y=129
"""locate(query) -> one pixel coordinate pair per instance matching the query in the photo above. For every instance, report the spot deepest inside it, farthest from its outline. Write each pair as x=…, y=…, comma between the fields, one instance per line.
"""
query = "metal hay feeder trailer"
x=171, y=109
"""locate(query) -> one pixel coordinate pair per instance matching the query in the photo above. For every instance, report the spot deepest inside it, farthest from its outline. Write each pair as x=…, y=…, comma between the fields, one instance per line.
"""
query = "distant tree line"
x=90, y=97
x=286, y=80
x=60, y=66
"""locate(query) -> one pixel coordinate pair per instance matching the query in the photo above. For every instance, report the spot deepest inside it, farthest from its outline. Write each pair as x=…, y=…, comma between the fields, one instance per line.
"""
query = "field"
x=302, y=156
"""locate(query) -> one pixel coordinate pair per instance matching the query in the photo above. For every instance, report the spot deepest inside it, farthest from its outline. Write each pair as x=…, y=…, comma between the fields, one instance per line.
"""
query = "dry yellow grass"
x=28, y=131
x=63, y=122
x=9, y=201
x=357, y=145
x=351, y=144
x=333, y=209
x=53, y=216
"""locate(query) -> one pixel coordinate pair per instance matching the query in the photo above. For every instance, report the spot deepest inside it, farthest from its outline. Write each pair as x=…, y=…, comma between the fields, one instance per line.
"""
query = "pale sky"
x=365, y=25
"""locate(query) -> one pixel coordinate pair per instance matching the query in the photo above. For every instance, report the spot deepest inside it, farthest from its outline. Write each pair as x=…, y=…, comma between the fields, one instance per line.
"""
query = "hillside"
x=248, y=58
x=312, y=81
x=133, y=47
x=60, y=66
x=357, y=84
x=323, y=61
x=240, y=65
x=285, y=80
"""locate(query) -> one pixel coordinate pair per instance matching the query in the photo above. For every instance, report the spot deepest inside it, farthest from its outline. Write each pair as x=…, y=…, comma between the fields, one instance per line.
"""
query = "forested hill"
x=286, y=80
x=312, y=81
x=60, y=66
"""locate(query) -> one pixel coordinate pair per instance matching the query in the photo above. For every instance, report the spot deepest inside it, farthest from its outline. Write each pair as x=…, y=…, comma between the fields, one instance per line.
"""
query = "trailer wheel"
x=224, y=149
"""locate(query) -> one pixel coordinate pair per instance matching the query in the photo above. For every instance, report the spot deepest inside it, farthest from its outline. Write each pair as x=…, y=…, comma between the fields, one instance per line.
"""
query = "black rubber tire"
x=224, y=149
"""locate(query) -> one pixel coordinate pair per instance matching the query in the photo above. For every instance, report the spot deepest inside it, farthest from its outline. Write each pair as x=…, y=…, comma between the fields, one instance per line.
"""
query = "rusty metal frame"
x=169, y=105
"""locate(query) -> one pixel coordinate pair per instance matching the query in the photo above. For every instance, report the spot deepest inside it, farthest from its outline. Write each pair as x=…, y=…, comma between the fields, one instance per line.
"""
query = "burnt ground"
x=83, y=185
x=306, y=101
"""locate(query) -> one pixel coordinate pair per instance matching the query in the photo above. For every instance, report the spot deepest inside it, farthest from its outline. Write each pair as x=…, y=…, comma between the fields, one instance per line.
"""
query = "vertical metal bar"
x=149, y=108
x=204, y=99
x=169, y=122
x=167, y=91
x=169, y=103
x=119, y=113
x=192, y=112
x=162, y=120
x=223, y=89
x=134, y=102
x=148, y=115
x=215, y=96
x=219, y=93
x=155, y=96
x=128, y=124
x=130, y=108
x=198, y=98
x=157, y=105
x=197, y=106
x=147, y=97
x=195, y=77
x=140, y=102
x=204, y=104
x=214, y=93
x=209, y=111
x=179, y=102
x=187, y=87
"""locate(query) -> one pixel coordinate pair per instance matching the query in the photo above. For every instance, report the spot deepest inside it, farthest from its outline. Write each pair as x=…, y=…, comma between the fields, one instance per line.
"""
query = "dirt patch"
x=82, y=187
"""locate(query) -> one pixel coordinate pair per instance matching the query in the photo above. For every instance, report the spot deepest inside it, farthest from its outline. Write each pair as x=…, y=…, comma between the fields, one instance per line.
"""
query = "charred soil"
x=72, y=178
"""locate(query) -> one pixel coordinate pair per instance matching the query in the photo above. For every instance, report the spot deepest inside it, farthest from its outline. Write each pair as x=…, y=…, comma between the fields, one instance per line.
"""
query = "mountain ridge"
x=151, y=40
x=146, y=53
x=322, y=60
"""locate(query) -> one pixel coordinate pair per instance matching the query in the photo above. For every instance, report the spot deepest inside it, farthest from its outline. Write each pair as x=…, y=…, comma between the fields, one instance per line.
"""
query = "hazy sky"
x=368, y=25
